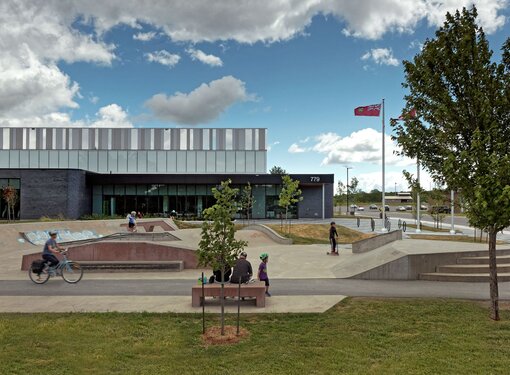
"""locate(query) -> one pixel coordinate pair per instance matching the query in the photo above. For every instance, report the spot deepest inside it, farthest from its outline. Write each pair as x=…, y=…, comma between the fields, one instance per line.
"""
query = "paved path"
x=279, y=287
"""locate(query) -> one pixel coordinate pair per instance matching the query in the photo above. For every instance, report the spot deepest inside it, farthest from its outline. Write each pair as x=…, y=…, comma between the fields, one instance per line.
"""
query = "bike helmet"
x=52, y=233
x=264, y=256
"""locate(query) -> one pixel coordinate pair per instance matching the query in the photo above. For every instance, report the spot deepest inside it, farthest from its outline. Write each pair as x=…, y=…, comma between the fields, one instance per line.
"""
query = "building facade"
x=74, y=172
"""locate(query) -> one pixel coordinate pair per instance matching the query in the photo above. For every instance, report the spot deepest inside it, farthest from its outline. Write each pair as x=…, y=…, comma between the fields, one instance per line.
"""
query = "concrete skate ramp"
x=124, y=251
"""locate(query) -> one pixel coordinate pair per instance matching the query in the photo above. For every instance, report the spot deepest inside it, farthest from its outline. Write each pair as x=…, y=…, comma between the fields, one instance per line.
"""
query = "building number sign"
x=315, y=179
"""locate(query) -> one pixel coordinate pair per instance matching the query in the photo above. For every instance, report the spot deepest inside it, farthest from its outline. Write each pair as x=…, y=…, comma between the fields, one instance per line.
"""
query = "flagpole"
x=383, y=229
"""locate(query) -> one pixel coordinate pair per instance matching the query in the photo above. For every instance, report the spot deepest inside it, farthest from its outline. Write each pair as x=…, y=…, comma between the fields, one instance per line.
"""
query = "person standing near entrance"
x=333, y=235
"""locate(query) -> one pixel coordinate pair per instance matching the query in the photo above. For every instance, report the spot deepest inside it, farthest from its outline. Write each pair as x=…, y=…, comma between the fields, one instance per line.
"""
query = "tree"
x=277, y=170
x=461, y=135
x=289, y=195
x=218, y=248
x=10, y=196
x=247, y=201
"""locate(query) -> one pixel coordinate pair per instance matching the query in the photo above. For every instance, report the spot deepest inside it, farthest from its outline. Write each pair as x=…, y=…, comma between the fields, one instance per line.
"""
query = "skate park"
x=304, y=278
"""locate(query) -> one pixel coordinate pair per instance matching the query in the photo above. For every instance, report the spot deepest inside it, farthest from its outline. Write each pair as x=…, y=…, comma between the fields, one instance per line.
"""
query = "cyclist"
x=50, y=249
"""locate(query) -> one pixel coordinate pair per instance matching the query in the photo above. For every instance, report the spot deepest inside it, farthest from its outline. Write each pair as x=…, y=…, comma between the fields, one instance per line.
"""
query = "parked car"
x=361, y=208
x=440, y=210
x=423, y=207
x=409, y=208
x=401, y=208
x=386, y=208
x=373, y=207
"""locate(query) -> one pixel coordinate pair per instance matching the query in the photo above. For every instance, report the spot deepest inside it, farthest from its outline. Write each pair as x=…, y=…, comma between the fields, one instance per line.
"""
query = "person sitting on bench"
x=242, y=270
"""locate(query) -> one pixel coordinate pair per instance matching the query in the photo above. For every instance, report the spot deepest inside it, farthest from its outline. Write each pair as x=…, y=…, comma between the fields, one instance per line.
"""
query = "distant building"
x=402, y=197
x=110, y=171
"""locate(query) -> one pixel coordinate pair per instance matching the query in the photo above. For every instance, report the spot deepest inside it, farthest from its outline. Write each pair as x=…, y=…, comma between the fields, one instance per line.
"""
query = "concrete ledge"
x=372, y=243
x=270, y=233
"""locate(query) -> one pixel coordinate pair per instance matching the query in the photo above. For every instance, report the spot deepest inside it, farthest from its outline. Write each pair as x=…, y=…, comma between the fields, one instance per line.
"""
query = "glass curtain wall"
x=186, y=201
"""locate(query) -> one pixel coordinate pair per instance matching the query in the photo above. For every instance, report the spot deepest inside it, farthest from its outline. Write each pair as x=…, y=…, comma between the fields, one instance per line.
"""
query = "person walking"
x=132, y=221
x=333, y=235
x=262, y=274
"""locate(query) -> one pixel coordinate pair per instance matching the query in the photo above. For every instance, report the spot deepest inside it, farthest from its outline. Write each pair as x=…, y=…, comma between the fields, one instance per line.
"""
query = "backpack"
x=37, y=265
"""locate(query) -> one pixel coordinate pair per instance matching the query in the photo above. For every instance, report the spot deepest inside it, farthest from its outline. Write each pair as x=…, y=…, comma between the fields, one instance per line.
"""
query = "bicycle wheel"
x=72, y=272
x=41, y=278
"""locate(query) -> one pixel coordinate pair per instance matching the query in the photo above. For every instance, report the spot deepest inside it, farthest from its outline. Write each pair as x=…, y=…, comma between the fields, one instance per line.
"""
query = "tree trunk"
x=493, y=275
x=222, y=300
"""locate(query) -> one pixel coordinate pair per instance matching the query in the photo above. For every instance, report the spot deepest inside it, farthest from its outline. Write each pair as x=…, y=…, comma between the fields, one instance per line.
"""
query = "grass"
x=305, y=234
x=358, y=336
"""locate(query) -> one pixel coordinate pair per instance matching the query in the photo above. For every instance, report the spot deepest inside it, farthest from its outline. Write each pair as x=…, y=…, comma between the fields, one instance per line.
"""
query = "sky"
x=295, y=67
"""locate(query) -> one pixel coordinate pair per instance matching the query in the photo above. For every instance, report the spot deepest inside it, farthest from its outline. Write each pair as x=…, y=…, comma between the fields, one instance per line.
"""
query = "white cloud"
x=381, y=56
x=145, y=37
x=163, y=57
x=29, y=87
x=111, y=116
x=363, y=146
x=202, y=105
x=295, y=149
x=199, y=55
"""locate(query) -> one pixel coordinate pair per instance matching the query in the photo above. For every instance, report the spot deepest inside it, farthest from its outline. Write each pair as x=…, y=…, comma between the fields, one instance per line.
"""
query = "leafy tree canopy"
x=277, y=170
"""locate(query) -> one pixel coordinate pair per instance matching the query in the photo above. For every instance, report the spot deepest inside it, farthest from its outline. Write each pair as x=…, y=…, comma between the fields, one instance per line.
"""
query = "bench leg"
x=196, y=300
x=260, y=300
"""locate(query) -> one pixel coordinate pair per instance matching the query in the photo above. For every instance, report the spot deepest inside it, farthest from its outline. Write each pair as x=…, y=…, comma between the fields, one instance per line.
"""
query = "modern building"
x=74, y=172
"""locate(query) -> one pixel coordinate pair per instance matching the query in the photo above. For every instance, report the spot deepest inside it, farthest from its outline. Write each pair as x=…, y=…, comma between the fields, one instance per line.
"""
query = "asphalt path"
x=286, y=287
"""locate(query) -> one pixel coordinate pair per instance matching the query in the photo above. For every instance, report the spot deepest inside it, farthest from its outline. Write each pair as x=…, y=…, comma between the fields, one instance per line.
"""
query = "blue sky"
x=295, y=67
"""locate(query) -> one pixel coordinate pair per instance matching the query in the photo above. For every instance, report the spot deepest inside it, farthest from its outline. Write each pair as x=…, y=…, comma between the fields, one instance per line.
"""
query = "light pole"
x=395, y=189
x=347, y=190
x=418, y=203
x=452, y=209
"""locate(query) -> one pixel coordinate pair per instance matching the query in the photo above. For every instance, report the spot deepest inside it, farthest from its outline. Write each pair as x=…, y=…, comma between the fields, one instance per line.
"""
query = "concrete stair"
x=472, y=268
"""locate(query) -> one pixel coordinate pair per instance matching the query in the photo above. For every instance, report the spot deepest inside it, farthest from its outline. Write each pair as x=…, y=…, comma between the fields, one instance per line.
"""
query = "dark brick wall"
x=311, y=205
x=51, y=192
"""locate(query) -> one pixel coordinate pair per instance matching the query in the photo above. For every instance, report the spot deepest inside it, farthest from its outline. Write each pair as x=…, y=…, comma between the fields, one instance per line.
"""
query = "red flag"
x=410, y=114
x=369, y=110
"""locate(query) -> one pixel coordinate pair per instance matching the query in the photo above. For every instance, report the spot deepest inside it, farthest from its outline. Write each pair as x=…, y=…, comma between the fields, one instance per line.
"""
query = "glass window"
x=83, y=160
x=107, y=189
x=97, y=190
x=181, y=190
x=93, y=161
x=23, y=159
x=161, y=167
x=132, y=161
x=44, y=159
x=141, y=189
x=248, y=139
x=163, y=189
x=53, y=159
x=153, y=189
x=112, y=162
x=142, y=161
x=73, y=159
x=172, y=189
x=85, y=139
x=32, y=139
x=4, y=159
x=34, y=159
x=260, y=162
x=220, y=161
x=130, y=189
x=240, y=162
x=63, y=159
x=191, y=166
x=14, y=182
x=5, y=139
x=191, y=190
x=134, y=139
x=151, y=161
x=103, y=161
x=213, y=138
x=250, y=161
x=4, y=182
x=181, y=161
x=211, y=162
x=122, y=161
x=231, y=162
x=14, y=159
x=201, y=189
x=200, y=162
x=191, y=139
x=119, y=189
x=171, y=161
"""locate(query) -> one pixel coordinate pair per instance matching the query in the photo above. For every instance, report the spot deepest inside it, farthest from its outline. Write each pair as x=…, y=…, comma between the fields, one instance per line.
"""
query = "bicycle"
x=70, y=271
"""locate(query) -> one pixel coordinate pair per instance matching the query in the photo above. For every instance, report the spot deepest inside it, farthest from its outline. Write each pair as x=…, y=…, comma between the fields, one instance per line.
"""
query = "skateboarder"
x=333, y=235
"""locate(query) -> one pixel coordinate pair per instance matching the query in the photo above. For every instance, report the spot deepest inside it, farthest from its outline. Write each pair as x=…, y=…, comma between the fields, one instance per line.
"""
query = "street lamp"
x=395, y=188
x=347, y=190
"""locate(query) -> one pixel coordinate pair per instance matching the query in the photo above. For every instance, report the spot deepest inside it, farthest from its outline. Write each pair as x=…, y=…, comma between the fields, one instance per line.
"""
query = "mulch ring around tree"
x=213, y=335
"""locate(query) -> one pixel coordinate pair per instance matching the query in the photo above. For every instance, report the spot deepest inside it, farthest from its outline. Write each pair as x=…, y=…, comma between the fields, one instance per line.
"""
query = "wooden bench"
x=132, y=265
x=256, y=289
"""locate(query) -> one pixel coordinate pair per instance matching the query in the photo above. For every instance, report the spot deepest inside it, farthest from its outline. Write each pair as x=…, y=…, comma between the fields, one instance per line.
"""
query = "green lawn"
x=358, y=336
